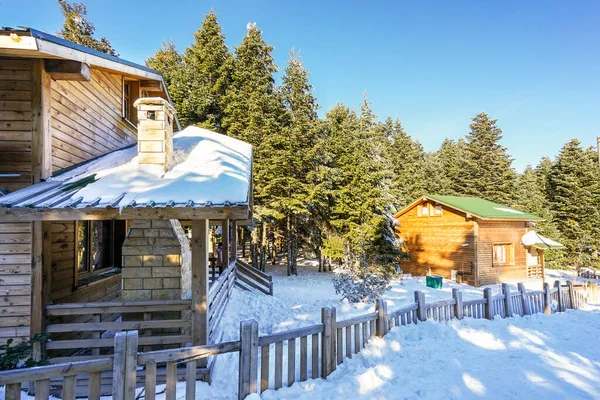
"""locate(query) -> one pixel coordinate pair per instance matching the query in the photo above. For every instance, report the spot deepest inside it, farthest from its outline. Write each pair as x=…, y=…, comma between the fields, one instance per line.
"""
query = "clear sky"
x=533, y=65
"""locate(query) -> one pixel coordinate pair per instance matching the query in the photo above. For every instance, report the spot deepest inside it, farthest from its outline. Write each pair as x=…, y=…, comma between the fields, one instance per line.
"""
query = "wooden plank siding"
x=491, y=232
x=87, y=119
x=15, y=158
x=438, y=243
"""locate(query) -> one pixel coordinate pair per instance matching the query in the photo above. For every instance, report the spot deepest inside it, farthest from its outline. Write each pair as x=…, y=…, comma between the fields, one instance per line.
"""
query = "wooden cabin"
x=471, y=240
x=95, y=186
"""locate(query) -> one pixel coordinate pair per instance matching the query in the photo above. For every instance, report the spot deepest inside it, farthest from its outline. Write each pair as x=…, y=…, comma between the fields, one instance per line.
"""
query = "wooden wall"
x=86, y=123
x=491, y=232
x=436, y=242
x=15, y=158
x=87, y=119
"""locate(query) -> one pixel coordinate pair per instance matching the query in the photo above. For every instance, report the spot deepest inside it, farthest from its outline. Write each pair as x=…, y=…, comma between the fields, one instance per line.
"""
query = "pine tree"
x=450, y=160
x=207, y=75
x=169, y=63
x=531, y=197
x=574, y=187
x=290, y=161
x=488, y=169
x=253, y=111
x=77, y=29
x=407, y=159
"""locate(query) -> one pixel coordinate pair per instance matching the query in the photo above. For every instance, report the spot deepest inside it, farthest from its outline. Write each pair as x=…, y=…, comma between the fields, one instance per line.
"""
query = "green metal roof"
x=483, y=208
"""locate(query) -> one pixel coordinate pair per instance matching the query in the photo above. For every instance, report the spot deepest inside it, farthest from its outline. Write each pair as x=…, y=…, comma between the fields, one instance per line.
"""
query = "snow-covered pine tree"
x=77, y=29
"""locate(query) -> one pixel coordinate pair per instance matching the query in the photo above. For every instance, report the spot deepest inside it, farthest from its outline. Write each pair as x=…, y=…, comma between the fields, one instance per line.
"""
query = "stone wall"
x=156, y=261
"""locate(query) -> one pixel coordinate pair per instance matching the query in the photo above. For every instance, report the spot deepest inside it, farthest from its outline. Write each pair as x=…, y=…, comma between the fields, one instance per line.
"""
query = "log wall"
x=15, y=173
x=438, y=243
x=491, y=232
x=87, y=119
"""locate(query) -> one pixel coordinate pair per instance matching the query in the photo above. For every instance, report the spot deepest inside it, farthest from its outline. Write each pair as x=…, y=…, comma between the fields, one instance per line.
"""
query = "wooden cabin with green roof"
x=471, y=240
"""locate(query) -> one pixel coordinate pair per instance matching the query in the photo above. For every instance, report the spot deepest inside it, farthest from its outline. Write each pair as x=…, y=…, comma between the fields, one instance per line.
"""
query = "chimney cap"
x=154, y=101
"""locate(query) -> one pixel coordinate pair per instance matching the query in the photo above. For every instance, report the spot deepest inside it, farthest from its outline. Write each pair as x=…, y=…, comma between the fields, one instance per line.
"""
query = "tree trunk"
x=318, y=253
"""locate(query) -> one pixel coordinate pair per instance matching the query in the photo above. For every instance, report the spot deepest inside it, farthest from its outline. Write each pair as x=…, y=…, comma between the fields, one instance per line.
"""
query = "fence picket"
x=303, y=358
x=264, y=367
x=291, y=362
x=314, y=341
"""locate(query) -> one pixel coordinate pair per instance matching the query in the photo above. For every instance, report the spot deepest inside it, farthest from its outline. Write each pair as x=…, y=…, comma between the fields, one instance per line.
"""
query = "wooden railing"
x=172, y=329
x=218, y=298
x=313, y=351
x=253, y=278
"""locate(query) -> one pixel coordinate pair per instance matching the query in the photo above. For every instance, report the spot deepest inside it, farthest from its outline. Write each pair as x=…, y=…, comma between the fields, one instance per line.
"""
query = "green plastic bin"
x=434, y=281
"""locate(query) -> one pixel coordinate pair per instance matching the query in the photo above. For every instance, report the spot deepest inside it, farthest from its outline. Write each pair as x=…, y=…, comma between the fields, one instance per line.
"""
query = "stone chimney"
x=155, y=131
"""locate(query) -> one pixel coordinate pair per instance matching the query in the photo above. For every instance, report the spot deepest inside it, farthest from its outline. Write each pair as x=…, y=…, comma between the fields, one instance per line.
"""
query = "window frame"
x=128, y=97
x=421, y=208
x=112, y=261
x=510, y=254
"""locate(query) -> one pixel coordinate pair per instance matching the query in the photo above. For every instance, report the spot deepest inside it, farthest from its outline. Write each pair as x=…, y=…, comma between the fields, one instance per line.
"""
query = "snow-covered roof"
x=209, y=170
x=534, y=239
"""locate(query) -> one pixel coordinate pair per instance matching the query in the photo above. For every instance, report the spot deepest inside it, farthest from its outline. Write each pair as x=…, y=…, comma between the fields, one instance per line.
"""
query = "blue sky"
x=533, y=65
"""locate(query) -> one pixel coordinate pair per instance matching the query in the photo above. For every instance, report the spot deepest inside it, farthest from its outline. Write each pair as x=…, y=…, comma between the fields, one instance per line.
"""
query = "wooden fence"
x=310, y=352
x=250, y=277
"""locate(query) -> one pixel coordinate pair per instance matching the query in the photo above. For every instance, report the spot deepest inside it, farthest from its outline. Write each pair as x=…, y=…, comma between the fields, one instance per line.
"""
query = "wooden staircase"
x=249, y=278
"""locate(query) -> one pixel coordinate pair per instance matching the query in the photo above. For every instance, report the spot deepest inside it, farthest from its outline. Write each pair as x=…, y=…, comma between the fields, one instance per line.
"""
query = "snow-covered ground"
x=536, y=356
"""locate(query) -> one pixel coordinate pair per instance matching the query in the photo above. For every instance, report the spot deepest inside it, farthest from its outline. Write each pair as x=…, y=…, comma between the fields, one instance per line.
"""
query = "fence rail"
x=267, y=361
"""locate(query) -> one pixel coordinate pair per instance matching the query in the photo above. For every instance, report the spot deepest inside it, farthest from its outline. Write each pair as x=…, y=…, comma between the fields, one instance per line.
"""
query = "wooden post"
x=333, y=340
x=381, y=309
x=526, y=308
x=571, y=294
x=234, y=240
x=41, y=117
x=507, y=300
x=458, y=306
x=226, y=245
x=124, y=365
x=547, y=299
x=489, y=304
x=248, y=368
x=561, y=306
x=37, y=282
x=508, y=309
x=199, y=246
x=420, y=300
x=326, y=342
x=594, y=291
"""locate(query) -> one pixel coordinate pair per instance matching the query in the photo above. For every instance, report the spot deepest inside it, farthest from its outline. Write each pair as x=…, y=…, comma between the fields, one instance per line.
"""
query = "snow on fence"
x=313, y=351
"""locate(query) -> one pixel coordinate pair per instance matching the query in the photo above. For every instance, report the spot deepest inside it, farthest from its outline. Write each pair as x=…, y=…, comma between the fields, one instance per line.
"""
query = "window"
x=424, y=210
x=98, y=245
x=503, y=254
x=131, y=92
x=438, y=210
x=127, y=101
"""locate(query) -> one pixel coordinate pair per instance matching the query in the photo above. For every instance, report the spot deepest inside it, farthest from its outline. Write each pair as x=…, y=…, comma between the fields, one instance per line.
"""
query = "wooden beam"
x=41, y=135
x=37, y=281
x=153, y=86
x=21, y=214
x=226, y=244
x=199, y=247
x=68, y=70
x=234, y=240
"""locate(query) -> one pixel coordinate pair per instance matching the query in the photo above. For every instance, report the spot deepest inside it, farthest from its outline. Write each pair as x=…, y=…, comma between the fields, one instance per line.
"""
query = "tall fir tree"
x=169, y=63
x=407, y=159
x=253, y=111
x=488, y=168
x=207, y=75
x=77, y=29
x=287, y=191
x=450, y=161
x=531, y=197
x=574, y=189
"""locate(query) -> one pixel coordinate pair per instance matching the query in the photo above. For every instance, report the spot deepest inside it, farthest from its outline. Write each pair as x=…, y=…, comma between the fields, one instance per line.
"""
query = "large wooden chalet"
x=96, y=192
x=472, y=240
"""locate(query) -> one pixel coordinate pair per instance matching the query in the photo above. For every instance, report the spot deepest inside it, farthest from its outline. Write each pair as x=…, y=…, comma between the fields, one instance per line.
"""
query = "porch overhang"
x=20, y=214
